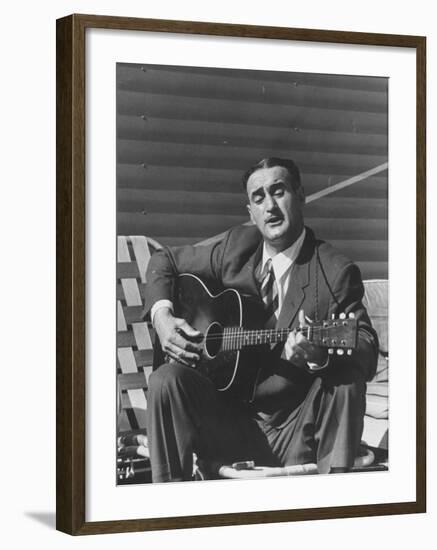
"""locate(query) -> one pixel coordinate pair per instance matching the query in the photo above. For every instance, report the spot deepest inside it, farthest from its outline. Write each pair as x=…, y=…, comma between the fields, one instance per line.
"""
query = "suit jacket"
x=323, y=282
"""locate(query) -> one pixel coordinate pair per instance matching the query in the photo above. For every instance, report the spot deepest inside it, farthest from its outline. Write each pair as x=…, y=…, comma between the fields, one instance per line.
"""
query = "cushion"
x=376, y=418
x=376, y=302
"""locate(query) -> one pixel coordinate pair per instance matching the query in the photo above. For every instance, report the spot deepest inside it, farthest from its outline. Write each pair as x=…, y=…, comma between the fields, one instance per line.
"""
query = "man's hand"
x=300, y=351
x=179, y=340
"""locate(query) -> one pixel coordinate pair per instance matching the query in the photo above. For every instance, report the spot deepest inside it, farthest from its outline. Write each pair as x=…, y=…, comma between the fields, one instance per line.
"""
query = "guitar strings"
x=262, y=332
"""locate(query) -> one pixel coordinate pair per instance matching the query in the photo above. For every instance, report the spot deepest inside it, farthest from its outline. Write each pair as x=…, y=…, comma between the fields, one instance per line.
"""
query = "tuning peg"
x=330, y=351
x=351, y=315
x=342, y=316
x=340, y=351
x=349, y=352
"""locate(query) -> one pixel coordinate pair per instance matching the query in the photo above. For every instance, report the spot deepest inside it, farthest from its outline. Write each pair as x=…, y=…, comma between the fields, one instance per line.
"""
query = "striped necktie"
x=269, y=294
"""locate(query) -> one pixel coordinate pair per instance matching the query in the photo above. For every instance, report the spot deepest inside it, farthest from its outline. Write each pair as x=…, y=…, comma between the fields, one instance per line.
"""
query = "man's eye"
x=279, y=193
x=257, y=199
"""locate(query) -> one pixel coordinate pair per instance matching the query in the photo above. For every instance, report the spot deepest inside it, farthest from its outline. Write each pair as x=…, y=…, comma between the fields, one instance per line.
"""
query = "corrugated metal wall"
x=185, y=135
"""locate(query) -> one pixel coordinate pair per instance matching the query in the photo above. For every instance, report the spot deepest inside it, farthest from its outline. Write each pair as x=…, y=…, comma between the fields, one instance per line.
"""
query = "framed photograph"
x=240, y=274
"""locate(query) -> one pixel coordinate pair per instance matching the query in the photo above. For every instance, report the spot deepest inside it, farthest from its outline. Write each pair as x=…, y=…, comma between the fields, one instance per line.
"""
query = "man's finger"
x=182, y=356
x=299, y=356
x=171, y=356
x=183, y=353
x=301, y=318
x=185, y=344
x=189, y=331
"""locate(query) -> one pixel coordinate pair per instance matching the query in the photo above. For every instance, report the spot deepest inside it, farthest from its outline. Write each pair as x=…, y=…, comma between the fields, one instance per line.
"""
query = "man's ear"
x=250, y=213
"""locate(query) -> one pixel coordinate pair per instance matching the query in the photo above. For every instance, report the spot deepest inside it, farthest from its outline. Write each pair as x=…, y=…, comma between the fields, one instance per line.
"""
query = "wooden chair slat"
x=131, y=292
x=122, y=250
x=142, y=254
x=142, y=336
x=141, y=289
x=133, y=314
x=148, y=370
x=144, y=358
x=125, y=339
x=126, y=359
x=132, y=380
x=123, y=424
x=121, y=320
x=125, y=401
x=139, y=405
x=127, y=270
x=134, y=406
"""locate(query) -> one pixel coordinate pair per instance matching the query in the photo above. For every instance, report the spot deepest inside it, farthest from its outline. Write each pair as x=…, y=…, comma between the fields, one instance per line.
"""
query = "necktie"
x=269, y=294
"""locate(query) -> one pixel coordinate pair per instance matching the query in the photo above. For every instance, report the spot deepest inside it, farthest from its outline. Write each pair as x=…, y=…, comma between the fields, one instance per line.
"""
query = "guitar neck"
x=340, y=334
x=235, y=338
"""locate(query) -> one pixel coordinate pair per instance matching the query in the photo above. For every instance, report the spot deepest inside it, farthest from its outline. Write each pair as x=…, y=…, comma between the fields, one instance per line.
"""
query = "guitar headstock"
x=339, y=334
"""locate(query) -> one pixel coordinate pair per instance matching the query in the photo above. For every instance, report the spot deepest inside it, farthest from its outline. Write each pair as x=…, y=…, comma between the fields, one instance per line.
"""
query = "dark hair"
x=270, y=162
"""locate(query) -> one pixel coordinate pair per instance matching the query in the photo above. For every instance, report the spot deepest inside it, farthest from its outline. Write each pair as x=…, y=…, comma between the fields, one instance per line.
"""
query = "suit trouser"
x=186, y=414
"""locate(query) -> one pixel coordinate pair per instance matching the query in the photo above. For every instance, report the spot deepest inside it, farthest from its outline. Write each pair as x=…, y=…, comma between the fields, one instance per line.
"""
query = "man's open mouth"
x=274, y=220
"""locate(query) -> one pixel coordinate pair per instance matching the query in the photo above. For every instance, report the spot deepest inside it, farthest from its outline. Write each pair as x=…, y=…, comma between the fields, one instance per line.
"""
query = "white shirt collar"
x=283, y=261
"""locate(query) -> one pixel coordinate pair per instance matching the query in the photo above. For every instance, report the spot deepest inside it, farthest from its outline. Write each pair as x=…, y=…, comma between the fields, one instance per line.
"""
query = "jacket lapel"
x=299, y=280
x=252, y=270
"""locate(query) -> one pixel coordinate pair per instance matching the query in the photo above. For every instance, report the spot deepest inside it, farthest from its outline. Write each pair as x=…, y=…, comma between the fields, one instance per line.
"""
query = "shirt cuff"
x=158, y=305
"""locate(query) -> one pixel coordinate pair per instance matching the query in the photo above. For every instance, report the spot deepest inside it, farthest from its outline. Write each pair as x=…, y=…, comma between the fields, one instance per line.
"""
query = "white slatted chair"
x=134, y=352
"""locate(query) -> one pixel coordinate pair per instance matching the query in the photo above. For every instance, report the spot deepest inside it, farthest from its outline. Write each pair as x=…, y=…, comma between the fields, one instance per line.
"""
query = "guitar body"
x=211, y=315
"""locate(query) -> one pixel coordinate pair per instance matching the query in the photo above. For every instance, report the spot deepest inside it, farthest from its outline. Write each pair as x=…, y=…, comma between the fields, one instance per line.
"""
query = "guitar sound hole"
x=213, y=340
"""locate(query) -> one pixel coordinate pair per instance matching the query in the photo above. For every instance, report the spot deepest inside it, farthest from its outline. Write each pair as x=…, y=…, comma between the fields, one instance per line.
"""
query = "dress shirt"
x=282, y=262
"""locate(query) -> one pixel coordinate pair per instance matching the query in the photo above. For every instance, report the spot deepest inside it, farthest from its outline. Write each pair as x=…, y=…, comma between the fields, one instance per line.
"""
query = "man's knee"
x=344, y=374
x=170, y=377
x=164, y=375
x=347, y=385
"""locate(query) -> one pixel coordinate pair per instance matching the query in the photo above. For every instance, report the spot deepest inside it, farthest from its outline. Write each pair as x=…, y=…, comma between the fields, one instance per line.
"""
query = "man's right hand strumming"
x=179, y=340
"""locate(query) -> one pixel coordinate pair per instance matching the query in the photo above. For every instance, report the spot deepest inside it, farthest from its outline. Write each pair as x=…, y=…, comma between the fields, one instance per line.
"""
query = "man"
x=308, y=407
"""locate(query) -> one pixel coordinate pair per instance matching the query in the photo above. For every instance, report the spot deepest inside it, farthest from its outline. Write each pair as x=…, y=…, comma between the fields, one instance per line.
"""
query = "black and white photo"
x=269, y=192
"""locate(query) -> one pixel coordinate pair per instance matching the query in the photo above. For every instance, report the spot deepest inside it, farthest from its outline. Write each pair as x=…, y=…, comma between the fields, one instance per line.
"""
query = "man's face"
x=275, y=207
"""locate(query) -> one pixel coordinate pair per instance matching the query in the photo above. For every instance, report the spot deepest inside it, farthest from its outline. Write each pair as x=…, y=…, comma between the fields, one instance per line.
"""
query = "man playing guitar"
x=305, y=405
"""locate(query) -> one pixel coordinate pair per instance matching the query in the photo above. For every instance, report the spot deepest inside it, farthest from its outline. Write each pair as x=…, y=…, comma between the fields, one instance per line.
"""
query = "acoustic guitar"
x=234, y=344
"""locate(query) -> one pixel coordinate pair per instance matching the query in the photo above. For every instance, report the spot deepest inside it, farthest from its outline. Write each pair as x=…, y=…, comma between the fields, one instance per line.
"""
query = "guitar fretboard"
x=236, y=338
